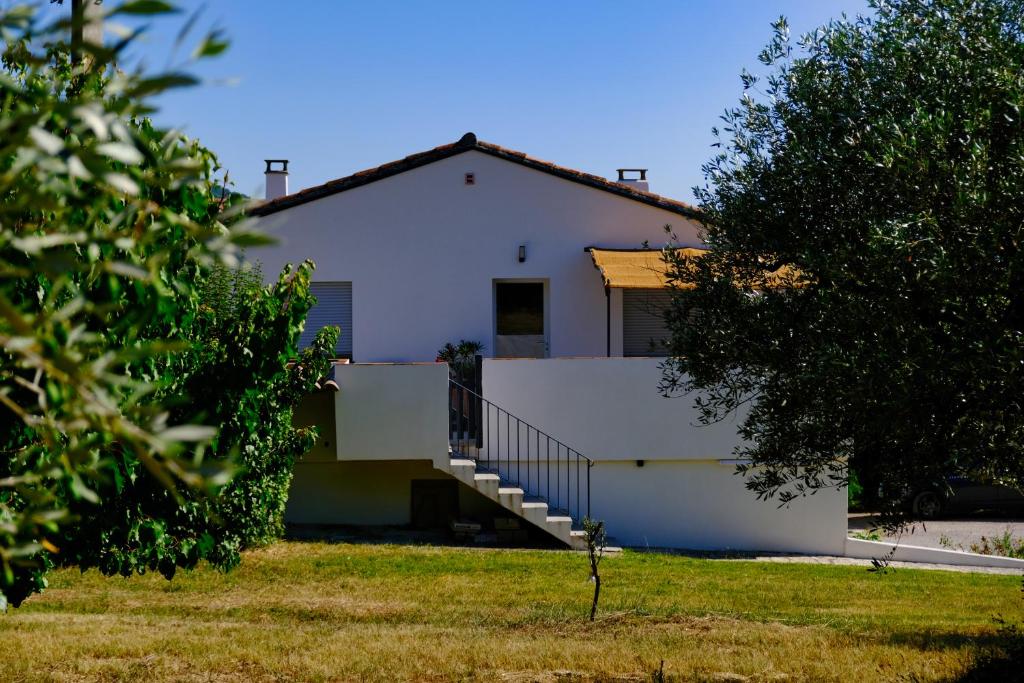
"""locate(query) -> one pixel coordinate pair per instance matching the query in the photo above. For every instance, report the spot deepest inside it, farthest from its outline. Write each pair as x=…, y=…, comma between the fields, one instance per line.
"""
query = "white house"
x=546, y=267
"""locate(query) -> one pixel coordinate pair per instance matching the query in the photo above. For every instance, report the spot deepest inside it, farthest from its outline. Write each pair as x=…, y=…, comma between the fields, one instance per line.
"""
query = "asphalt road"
x=959, y=531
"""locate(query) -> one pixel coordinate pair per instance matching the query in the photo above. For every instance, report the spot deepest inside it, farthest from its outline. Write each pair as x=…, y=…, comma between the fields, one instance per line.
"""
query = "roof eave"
x=468, y=143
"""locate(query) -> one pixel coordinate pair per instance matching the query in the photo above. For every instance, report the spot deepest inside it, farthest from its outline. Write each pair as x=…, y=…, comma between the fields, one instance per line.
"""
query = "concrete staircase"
x=513, y=499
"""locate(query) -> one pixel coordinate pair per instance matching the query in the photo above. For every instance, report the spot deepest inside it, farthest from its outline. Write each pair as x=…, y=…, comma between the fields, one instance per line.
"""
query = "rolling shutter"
x=333, y=307
x=643, y=323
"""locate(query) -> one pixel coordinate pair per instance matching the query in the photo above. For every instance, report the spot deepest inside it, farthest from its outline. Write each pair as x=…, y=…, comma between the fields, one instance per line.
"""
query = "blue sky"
x=337, y=86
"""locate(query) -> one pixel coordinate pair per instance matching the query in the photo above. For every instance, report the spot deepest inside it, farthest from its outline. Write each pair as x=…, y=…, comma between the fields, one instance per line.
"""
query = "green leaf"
x=189, y=433
x=34, y=244
x=121, y=151
x=122, y=182
x=211, y=46
x=80, y=490
x=145, y=7
x=159, y=84
x=46, y=141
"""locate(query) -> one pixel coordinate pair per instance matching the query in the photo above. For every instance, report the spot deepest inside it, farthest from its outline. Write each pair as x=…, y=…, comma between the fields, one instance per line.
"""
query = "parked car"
x=962, y=495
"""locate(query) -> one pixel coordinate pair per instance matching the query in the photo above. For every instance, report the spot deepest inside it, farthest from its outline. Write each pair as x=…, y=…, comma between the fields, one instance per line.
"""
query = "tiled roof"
x=467, y=143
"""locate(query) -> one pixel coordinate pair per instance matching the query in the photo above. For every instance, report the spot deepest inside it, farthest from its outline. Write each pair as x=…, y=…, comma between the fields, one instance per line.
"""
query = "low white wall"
x=391, y=412
x=683, y=496
x=870, y=550
x=606, y=408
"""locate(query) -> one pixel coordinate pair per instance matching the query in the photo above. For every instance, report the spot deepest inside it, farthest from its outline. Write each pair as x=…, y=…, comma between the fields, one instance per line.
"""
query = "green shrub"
x=854, y=493
x=126, y=399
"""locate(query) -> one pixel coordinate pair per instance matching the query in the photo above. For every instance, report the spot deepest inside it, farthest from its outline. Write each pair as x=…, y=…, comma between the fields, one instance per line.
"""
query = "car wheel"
x=927, y=505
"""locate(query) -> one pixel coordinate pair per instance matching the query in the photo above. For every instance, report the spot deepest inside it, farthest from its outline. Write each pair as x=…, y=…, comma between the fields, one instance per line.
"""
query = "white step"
x=462, y=469
x=559, y=526
x=511, y=497
x=536, y=513
x=487, y=484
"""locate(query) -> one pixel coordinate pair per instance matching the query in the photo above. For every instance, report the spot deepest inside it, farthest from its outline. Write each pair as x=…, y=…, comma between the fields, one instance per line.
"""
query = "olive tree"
x=860, y=304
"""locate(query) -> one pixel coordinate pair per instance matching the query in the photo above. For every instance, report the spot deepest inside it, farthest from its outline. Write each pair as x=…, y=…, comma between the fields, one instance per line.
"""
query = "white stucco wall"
x=422, y=251
x=684, y=495
x=391, y=412
x=703, y=505
x=607, y=408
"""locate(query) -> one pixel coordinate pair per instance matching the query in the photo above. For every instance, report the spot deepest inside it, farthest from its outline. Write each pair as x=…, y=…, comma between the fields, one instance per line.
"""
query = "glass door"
x=520, y=320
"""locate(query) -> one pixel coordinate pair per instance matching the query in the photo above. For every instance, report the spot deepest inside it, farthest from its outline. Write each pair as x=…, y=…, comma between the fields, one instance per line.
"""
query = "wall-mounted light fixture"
x=522, y=253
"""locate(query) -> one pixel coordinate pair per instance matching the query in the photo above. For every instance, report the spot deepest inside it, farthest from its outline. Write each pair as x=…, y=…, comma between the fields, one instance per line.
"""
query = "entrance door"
x=520, y=320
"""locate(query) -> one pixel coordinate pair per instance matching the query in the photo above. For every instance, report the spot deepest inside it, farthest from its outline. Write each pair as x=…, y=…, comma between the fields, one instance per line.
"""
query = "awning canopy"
x=634, y=268
x=646, y=269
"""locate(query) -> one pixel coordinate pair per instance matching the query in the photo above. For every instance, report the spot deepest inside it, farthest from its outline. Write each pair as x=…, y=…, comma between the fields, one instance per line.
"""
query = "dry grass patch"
x=310, y=611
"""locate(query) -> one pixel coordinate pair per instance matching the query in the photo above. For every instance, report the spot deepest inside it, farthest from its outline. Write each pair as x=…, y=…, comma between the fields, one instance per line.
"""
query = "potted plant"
x=461, y=359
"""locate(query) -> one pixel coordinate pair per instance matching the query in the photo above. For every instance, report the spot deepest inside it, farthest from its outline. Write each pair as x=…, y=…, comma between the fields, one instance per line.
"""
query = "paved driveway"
x=959, y=532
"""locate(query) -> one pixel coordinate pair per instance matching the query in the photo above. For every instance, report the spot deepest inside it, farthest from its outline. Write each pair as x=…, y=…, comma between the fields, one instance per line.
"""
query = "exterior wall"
x=391, y=412
x=422, y=250
x=606, y=408
x=368, y=493
x=317, y=410
x=686, y=494
x=703, y=505
x=391, y=421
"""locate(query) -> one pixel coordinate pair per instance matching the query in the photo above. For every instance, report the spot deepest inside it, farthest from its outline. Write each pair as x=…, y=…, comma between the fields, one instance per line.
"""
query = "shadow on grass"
x=1002, y=662
x=999, y=656
x=402, y=535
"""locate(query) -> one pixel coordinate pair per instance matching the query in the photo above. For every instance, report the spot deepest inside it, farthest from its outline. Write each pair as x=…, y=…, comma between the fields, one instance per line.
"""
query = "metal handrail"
x=506, y=445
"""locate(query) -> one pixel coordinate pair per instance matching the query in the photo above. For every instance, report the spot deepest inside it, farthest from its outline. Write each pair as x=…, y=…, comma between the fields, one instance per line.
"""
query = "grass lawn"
x=352, y=612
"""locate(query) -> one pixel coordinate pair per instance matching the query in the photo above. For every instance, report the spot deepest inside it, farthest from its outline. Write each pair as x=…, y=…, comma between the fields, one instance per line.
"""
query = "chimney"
x=277, y=178
x=637, y=183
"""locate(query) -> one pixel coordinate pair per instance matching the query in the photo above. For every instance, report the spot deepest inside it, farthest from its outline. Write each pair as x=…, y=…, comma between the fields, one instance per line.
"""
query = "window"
x=519, y=307
x=644, y=332
x=333, y=307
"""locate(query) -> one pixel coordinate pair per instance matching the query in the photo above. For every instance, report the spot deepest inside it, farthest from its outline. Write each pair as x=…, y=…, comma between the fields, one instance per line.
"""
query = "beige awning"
x=646, y=269
x=634, y=268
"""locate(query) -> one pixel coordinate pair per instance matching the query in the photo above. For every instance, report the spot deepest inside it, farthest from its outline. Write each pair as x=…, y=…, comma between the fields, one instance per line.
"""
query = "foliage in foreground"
x=236, y=376
x=130, y=389
x=884, y=164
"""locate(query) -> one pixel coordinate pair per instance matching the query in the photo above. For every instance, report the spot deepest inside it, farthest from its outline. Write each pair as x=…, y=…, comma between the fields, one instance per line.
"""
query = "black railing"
x=522, y=455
